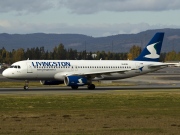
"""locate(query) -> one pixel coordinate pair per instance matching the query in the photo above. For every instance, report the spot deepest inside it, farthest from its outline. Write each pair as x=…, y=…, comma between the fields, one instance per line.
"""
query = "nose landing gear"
x=26, y=85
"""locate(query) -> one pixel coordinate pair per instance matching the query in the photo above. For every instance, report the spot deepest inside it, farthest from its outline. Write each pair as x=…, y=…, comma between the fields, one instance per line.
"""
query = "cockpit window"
x=15, y=66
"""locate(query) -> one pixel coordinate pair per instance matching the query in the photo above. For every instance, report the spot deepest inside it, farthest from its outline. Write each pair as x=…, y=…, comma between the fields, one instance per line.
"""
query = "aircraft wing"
x=102, y=72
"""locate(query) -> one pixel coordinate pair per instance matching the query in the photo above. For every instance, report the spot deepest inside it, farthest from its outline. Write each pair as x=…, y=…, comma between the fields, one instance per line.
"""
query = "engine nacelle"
x=75, y=81
x=51, y=82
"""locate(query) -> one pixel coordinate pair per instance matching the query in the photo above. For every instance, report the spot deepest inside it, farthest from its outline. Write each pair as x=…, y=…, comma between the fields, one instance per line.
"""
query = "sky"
x=97, y=18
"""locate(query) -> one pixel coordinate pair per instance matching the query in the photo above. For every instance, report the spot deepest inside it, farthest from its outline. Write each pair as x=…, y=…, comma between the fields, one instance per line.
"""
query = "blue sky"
x=90, y=17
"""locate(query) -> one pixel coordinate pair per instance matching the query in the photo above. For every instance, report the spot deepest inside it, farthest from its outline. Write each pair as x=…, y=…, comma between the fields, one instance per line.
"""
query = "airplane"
x=76, y=73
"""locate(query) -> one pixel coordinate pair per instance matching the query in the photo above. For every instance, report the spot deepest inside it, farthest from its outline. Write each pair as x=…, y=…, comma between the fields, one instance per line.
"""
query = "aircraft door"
x=29, y=67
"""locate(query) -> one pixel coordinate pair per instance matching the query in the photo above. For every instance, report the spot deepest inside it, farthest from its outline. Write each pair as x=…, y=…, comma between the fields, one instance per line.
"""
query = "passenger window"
x=15, y=66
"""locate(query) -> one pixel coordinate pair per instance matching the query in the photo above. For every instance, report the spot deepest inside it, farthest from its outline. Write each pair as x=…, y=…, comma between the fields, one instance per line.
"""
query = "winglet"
x=152, y=51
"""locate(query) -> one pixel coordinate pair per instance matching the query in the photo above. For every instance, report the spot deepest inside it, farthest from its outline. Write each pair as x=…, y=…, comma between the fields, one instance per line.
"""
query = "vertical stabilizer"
x=152, y=51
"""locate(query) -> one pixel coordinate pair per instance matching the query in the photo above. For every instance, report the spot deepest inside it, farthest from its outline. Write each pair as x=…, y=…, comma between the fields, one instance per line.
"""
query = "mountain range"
x=114, y=43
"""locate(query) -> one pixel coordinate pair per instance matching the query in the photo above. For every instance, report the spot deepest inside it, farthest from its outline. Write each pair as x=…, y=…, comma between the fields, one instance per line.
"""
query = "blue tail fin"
x=153, y=49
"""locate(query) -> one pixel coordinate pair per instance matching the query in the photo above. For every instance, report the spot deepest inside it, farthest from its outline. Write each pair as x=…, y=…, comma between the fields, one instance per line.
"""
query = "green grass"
x=99, y=114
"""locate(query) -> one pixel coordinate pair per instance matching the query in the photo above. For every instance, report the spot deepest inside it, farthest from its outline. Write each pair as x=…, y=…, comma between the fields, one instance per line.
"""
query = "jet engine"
x=51, y=82
x=75, y=80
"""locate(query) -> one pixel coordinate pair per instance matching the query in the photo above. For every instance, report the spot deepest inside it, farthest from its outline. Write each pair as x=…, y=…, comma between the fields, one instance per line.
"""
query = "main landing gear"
x=91, y=86
x=26, y=85
x=74, y=87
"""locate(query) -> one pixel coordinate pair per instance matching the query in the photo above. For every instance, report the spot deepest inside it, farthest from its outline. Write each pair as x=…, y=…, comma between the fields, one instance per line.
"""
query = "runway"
x=84, y=90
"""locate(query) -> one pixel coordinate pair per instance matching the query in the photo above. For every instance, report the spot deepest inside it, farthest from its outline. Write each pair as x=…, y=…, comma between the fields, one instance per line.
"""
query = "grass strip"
x=101, y=114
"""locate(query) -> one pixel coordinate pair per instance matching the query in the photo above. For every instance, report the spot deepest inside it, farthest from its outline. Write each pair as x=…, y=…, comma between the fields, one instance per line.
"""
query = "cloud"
x=87, y=6
x=95, y=30
x=25, y=6
x=93, y=6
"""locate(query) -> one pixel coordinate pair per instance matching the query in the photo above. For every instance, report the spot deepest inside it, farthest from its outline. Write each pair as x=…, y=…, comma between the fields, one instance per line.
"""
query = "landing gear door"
x=29, y=67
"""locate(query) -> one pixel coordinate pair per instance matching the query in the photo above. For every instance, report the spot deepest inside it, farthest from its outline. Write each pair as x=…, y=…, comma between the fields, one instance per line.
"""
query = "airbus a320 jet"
x=76, y=73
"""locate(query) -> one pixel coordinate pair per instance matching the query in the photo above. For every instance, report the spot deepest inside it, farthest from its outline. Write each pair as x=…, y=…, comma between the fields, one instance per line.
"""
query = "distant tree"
x=71, y=54
x=130, y=56
x=178, y=56
x=42, y=53
x=79, y=56
x=100, y=56
x=55, y=53
x=84, y=54
x=8, y=58
x=37, y=53
x=47, y=55
x=61, y=52
x=19, y=55
x=171, y=56
x=123, y=56
x=134, y=52
x=28, y=54
x=50, y=56
x=89, y=56
x=3, y=54
x=109, y=56
x=162, y=57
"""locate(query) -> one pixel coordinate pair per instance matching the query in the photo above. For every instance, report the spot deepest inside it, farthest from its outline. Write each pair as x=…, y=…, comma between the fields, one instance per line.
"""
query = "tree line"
x=61, y=53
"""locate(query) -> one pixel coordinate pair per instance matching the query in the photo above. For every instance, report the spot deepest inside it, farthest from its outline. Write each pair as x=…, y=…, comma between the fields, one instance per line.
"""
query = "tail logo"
x=153, y=52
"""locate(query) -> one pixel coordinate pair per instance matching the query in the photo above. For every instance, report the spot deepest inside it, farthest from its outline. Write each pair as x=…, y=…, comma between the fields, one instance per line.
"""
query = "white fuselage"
x=58, y=69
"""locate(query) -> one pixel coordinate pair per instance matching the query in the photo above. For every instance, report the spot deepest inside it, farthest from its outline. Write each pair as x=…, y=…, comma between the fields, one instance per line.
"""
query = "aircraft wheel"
x=26, y=87
x=91, y=86
x=74, y=87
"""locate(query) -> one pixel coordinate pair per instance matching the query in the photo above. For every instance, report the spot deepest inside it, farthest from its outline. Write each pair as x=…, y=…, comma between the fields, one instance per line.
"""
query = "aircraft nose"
x=5, y=73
